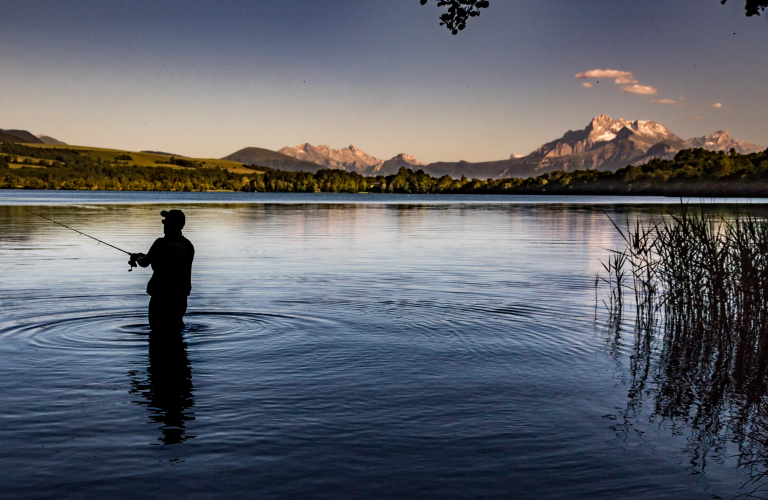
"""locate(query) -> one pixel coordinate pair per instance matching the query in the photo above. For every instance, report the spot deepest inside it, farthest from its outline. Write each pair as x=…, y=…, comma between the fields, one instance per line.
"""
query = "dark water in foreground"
x=333, y=350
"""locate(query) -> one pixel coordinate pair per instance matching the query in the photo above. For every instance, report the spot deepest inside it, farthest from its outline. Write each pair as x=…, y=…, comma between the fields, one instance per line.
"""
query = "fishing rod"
x=80, y=232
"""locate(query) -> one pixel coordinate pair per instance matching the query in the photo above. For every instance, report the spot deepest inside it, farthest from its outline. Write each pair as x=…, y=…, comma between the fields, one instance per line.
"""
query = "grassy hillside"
x=145, y=159
x=28, y=166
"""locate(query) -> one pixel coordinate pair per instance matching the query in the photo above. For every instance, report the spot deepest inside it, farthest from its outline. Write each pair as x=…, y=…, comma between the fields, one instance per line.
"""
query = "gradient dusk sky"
x=206, y=78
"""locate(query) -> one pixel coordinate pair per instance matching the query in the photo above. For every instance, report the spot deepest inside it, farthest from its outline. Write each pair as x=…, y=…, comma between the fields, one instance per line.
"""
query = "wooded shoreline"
x=693, y=172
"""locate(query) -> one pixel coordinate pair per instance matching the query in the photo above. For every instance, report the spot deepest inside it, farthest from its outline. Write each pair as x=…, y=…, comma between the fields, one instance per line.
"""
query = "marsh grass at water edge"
x=700, y=287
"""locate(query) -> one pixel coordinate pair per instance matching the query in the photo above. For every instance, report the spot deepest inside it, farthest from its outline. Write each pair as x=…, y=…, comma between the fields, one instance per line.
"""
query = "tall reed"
x=700, y=285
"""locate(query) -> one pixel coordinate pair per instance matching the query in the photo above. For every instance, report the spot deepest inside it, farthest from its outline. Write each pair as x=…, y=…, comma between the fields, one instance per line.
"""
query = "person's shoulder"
x=186, y=241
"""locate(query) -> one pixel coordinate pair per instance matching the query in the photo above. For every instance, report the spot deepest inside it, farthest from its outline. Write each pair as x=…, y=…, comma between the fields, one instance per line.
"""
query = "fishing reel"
x=132, y=262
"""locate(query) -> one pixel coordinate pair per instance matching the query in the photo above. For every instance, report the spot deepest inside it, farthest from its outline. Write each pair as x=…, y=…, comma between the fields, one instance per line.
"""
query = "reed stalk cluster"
x=700, y=285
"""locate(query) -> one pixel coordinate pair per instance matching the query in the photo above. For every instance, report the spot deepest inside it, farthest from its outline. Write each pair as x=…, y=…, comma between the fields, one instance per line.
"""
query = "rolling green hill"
x=145, y=159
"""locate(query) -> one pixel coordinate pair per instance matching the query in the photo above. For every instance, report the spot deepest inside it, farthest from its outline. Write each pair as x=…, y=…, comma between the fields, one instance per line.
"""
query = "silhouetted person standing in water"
x=171, y=260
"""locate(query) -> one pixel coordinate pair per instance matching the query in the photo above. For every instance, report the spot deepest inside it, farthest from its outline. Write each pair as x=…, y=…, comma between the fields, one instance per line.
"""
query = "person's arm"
x=141, y=259
x=144, y=260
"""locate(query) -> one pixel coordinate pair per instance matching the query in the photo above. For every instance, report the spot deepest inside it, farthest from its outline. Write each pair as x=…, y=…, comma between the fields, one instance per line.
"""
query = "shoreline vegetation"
x=693, y=172
x=698, y=284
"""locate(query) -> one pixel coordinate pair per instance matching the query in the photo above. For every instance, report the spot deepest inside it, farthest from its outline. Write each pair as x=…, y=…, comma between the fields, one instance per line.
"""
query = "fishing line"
x=80, y=232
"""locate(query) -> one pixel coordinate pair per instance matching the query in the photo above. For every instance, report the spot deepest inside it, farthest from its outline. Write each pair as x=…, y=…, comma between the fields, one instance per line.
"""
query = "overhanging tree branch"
x=754, y=7
x=459, y=11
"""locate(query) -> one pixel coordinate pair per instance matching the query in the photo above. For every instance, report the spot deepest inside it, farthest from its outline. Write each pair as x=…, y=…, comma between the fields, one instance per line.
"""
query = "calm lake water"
x=337, y=346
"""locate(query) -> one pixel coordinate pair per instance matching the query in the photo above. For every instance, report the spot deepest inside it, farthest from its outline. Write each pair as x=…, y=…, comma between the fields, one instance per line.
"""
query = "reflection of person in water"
x=167, y=392
x=171, y=260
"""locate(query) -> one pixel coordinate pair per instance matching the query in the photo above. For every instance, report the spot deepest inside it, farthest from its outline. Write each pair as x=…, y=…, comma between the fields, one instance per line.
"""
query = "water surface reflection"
x=339, y=351
x=699, y=362
x=166, y=389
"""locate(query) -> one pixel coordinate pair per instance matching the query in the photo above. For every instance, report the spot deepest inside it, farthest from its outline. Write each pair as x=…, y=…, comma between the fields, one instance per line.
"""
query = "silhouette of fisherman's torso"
x=171, y=260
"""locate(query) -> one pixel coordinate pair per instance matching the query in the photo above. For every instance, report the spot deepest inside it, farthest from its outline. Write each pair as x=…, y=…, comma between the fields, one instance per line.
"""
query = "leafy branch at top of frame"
x=459, y=11
x=753, y=7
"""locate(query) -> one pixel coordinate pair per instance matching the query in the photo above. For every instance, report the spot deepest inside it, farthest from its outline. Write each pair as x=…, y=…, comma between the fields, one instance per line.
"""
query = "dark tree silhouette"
x=754, y=7
x=459, y=11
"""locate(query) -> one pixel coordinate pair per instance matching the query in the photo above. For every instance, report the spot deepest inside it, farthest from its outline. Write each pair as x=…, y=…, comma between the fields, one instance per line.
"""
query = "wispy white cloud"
x=640, y=89
x=693, y=118
x=623, y=80
x=717, y=105
x=663, y=101
x=619, y=77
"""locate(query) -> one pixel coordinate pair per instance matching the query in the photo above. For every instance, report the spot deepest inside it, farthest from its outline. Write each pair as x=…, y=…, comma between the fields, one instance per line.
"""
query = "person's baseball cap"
x=177, y=217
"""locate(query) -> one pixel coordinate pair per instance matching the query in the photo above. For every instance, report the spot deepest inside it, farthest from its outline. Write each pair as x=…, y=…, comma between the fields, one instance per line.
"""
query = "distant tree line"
x=693, y=172
x=181, y=162
x=59, y=168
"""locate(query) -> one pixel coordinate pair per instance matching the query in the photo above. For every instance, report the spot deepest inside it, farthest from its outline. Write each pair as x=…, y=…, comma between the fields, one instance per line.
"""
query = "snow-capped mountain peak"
x=350, y=158
x=722, y=141
x=603, y=128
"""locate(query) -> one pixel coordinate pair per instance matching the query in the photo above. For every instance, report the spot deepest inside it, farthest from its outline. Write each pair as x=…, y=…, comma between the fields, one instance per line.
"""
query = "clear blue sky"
x=206, y=78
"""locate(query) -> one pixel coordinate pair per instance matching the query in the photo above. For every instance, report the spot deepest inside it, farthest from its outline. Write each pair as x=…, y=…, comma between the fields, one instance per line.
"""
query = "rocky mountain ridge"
x=604, y=144
x=722, y=141
x=272, y=159
x=351, y=159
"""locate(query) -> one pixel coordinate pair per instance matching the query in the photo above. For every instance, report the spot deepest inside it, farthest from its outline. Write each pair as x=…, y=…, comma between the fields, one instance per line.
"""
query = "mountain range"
x=352, y=159
x=272, y=159
x=311, y=158
x=604, y=144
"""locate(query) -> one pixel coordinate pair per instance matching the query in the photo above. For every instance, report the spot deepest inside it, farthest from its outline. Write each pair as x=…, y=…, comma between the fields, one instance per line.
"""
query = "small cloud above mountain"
x=640, y=89
x=717, y=105
x=619, y=77
x=664, y=101
x=625, y=78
